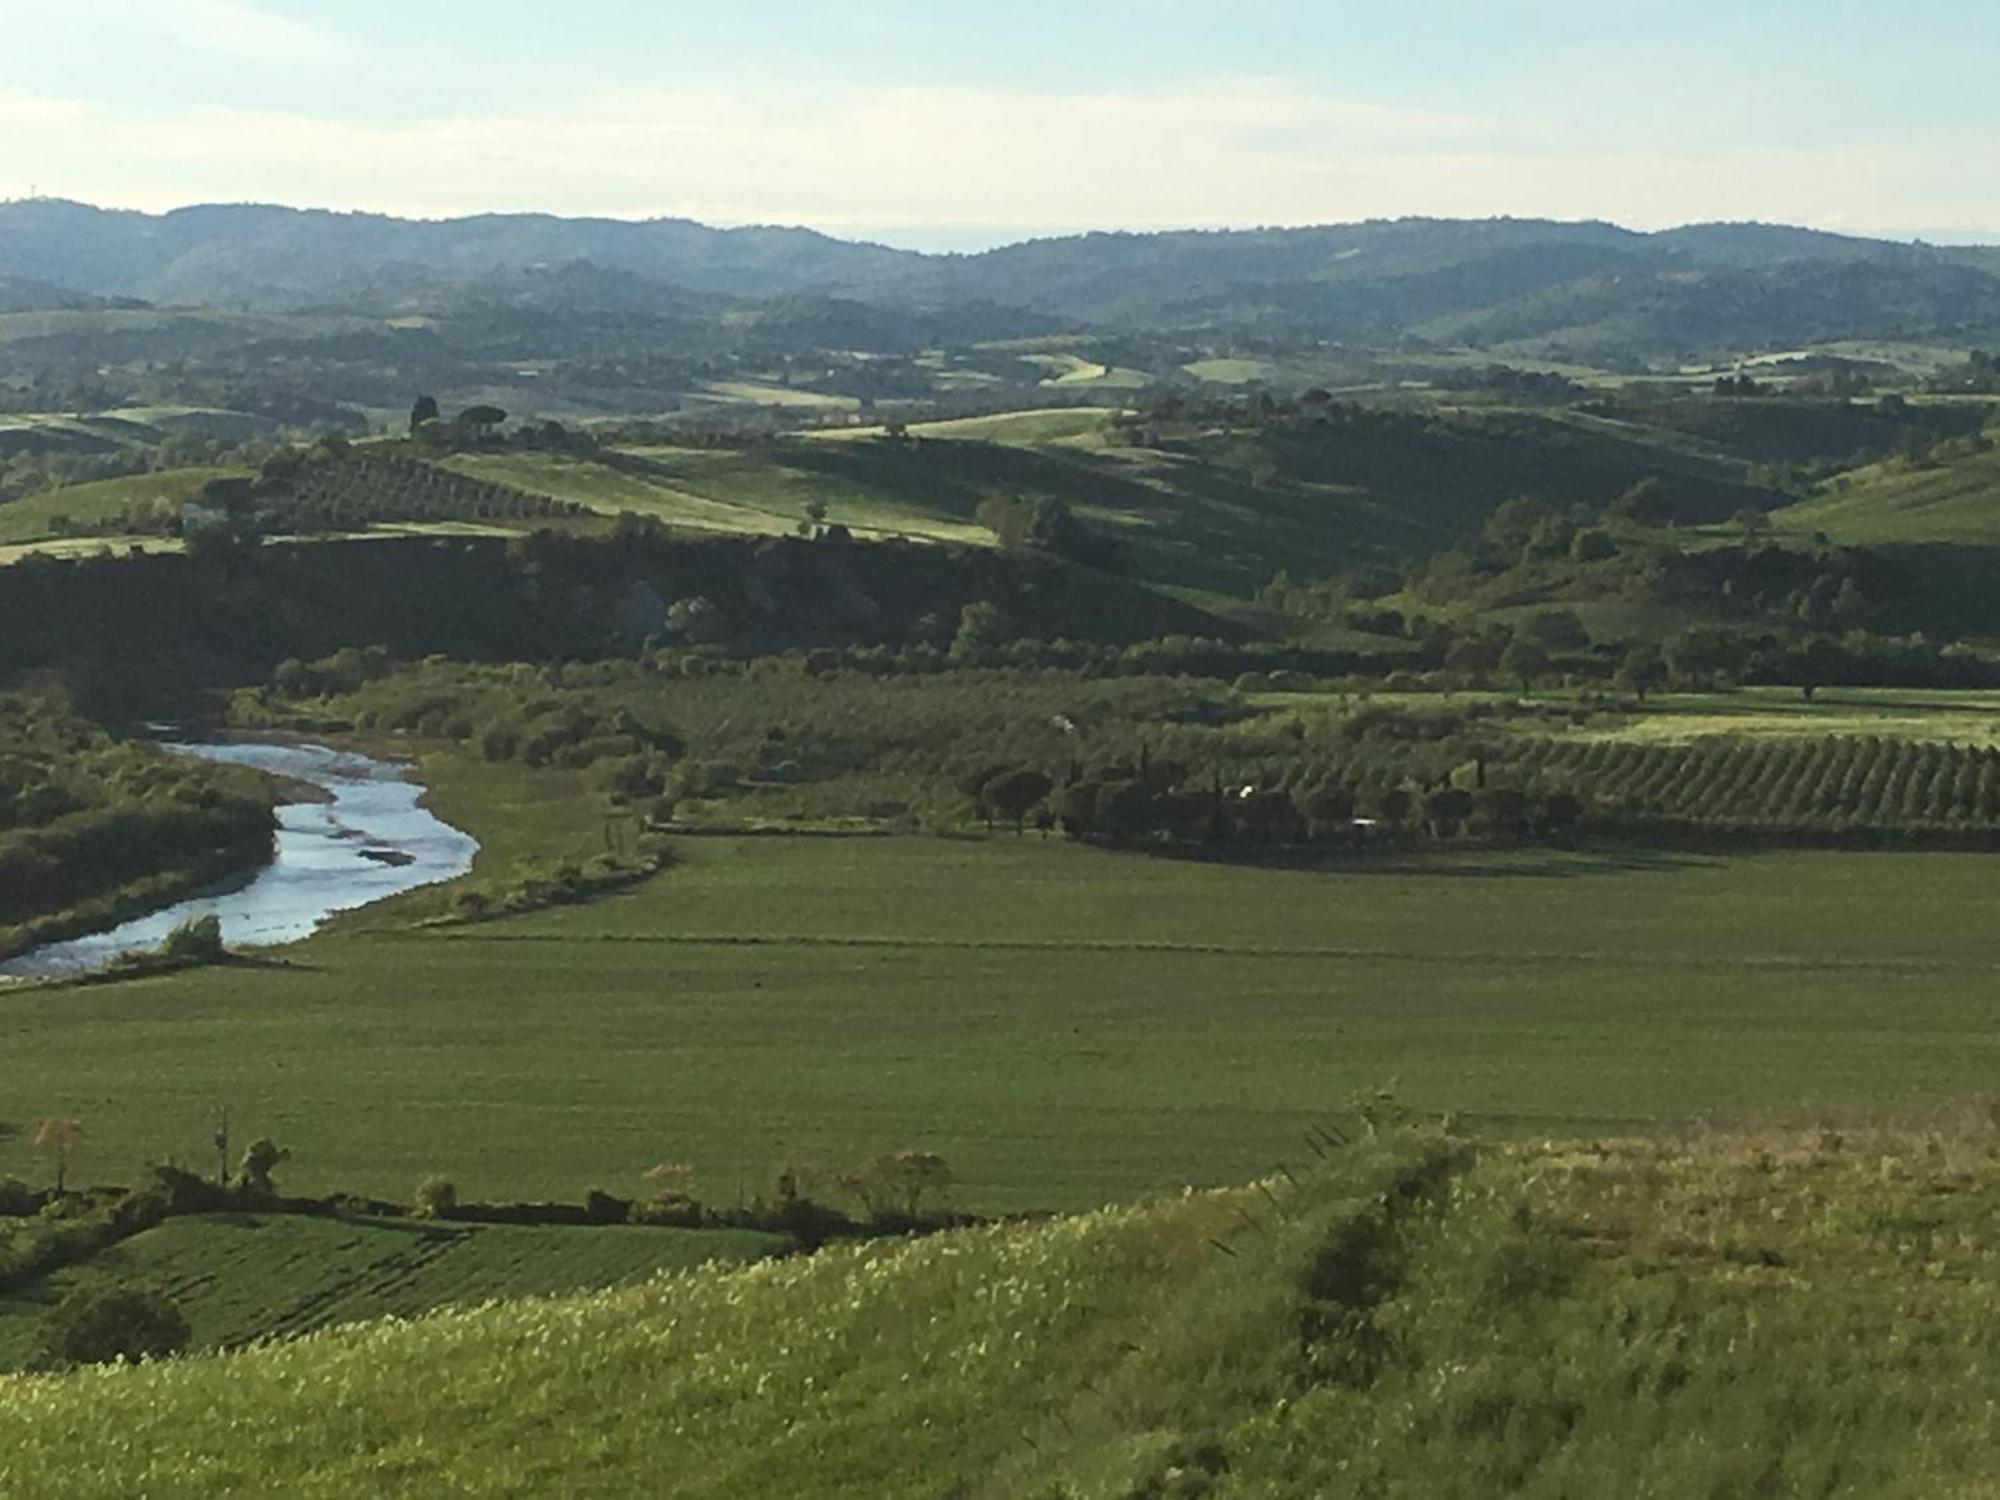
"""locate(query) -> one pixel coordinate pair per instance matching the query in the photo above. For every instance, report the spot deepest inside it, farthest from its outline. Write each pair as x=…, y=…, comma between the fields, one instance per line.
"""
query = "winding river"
x=368, y=840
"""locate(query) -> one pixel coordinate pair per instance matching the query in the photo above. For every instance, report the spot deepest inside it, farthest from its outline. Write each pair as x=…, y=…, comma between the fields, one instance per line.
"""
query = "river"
x=369, y=840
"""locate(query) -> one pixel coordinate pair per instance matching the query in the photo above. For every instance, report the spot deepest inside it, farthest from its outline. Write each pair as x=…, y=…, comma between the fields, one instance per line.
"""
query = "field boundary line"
x=1210, y=950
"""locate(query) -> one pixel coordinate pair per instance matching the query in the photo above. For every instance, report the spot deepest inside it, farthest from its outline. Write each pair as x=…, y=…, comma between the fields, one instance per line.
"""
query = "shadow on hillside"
x=954, y=475
x=1944, y=588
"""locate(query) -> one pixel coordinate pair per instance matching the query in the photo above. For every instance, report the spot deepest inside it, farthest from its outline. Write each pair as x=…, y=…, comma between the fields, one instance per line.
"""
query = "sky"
x=940, y=125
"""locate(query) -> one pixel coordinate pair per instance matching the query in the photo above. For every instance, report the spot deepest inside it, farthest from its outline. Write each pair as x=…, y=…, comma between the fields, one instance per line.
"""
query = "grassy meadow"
x=100, y=502
x=1956, y=502
x=1065, y=1025
x=1796, y=1311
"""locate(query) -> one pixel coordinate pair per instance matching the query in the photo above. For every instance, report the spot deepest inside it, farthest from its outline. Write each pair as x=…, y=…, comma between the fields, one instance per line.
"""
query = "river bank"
x=358, y=833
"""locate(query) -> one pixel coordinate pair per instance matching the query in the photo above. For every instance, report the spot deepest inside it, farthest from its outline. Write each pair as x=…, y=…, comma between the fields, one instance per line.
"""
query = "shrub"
x=103, y=1325
x=437, y=1198
x=135, y=1212
x=261, y=1159
x=895, y=1186
x=186, y=1192
x=197, y=940
x=18, y=1200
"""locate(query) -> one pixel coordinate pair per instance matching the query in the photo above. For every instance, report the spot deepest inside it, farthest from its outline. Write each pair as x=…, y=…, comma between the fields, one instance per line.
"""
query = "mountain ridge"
x=1587, y=286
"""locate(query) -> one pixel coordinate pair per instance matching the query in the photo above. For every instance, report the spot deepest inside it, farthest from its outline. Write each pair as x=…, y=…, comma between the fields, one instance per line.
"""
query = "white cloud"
x=237, y=29
x=967, y=163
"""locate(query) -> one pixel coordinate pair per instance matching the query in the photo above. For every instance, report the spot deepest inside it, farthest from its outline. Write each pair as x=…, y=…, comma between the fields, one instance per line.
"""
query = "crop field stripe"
x=1203, y=950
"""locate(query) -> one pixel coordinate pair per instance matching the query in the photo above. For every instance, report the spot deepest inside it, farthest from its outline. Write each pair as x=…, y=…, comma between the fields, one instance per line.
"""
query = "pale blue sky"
x=954, y=124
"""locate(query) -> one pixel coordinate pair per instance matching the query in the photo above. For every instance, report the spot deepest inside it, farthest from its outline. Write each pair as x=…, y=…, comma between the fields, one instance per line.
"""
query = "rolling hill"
x=1895, y=501
x=1590, y=288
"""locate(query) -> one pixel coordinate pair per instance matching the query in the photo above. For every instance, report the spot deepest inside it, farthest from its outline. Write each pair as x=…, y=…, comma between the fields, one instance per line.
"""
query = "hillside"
x=1588, y=288
x=1191, y=506
x=1779, y=1311
x=242, y=1277
x=1956, y=501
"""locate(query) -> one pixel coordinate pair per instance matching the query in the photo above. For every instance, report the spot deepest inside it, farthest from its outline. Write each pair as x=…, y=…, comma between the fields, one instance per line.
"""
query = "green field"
x=125, y=427
x=711, y=490
x=240, y=1277
x=764, y=393
x=1796, y=1312
x=1954, y=502
x=1923, y=715
x=1065, y=1025
x=34, y=518
x=1054, y=425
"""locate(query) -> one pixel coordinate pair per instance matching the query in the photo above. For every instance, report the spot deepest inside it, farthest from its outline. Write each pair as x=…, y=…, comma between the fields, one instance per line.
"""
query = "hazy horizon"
x=955, y=127
x=944, y=241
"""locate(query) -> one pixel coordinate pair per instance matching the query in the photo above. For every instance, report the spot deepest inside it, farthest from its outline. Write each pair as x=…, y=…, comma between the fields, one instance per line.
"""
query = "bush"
x=893, y=1188
x=18, y=1200
x=437, y=1198
x=197, y=940
x=103, y=1325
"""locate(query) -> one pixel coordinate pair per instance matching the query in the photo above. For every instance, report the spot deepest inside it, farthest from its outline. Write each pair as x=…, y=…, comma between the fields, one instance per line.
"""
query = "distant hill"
x=25, y=294
x=1591, y=289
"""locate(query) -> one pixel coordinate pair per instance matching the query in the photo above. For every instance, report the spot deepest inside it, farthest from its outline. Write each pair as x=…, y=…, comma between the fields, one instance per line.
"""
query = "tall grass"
x=1778, y=1312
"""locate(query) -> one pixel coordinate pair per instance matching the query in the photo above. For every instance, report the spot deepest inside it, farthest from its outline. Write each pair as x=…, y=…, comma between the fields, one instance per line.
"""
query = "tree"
x=437, y=1198
x=697, y=620
x=1752, y=522
x=1822, y=662
x=1699, y=653
x=1393, y=806
x=105, y=1325
x=1445, y=809
x=478, y=422
x=1593, y=544
x=1476, y=655
x=1850, y=604
x=1327, y=807
x=1525, y=659
x=424, y=409
x=1558, y=629
x=1650, y=502
x=1075, y=809
x=1501, y=810
x=260, y=1159
x=982, y=626
x=198, y=940
x=59, y=1137
x=1013, y=795
x=1045, y=524
x=1642, y=670
x=895, y=1186
x=1512, y=525
x=1560, y=811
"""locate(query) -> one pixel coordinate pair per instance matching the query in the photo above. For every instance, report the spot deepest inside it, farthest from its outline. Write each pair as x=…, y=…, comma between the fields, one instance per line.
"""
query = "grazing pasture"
x=1063, y=1024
